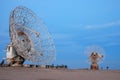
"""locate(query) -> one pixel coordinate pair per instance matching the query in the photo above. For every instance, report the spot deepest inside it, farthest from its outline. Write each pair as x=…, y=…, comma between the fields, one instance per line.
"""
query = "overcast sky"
x=74, y=25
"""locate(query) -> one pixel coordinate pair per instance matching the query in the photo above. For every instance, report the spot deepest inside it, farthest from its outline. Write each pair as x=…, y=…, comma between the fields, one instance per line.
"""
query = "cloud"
x=107, y=25
x=101, y=36
x=105, y=40
x=113, y=44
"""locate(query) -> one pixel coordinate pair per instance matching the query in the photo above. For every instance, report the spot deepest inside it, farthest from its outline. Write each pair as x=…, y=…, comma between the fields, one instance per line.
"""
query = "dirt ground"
x=21, y=73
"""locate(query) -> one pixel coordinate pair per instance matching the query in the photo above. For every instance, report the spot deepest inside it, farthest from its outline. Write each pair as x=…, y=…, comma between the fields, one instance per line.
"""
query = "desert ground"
x=21, y=73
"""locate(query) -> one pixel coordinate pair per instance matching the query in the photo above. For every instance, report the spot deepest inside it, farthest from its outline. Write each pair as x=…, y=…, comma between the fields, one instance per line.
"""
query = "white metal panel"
x=10, y=52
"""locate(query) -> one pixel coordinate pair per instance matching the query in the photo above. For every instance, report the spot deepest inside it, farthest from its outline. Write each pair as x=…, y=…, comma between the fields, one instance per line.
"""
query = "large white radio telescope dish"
x=30, y=37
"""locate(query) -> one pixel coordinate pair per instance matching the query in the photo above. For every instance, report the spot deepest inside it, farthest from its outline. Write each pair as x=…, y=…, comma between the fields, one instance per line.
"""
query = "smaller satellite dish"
x=95, y=55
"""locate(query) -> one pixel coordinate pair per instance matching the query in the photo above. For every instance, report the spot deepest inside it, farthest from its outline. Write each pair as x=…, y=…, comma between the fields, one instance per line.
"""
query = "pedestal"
x=94, y=66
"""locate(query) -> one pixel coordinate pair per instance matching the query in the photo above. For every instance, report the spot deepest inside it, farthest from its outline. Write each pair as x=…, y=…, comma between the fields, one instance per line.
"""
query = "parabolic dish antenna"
x=97, y=50
x=30, y=37
x=95, y=53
